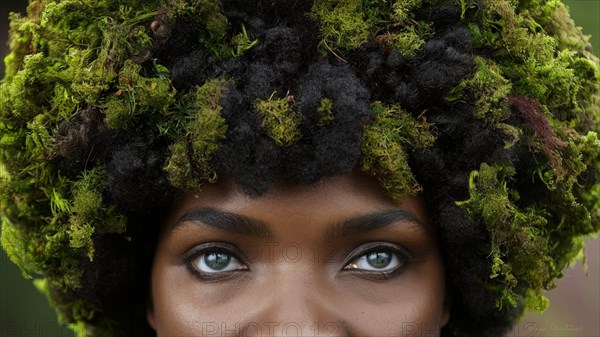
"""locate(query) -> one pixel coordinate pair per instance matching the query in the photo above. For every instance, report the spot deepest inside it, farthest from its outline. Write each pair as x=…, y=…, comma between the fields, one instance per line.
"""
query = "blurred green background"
x=575, y=305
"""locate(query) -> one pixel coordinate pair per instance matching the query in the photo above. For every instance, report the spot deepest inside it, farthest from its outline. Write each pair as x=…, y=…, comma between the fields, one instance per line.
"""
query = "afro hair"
x=110, y=110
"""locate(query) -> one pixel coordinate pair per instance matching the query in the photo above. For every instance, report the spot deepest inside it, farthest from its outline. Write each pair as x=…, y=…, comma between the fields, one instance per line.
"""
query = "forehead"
x=303, y=207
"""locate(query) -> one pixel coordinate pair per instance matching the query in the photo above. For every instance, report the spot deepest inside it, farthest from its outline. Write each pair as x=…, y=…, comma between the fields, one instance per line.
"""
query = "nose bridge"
x=297, y=304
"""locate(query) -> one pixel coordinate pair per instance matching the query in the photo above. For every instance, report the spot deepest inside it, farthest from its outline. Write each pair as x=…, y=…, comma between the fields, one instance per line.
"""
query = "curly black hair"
x=488, y=109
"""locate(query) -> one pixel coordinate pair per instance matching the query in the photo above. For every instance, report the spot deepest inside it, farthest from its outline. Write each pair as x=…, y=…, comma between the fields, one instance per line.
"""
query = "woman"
x=318, y=167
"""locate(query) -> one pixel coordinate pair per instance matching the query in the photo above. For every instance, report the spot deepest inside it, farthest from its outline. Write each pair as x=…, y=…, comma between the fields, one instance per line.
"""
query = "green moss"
x=23, y=33
x=74, y=315
x=81, y=237
x=16, y=244
x=30, y=90
x=19, y=42
x=386, y=143
x=207, y=130
x=209, y=14
x=89, y=214
x=119, y=112
x=179, y=168
x=96, y=52
x=529, y=246
x=64, y=105
x=466, y=5
x=40, y=143
x=520, y=37
x=553, y=83
x=410, y=38
x=242, y=42
x=280, y=118
x=513, y=134
x=89, y=77
x=588, y=191
x=403, y=10
x=59, y=204
x=86, y=200
x=554, y=17
x=137, y=95
x=4, y=175
x=346, y=25
x=561, y=80
x=343, y=23
x=207, y=18
x=189, y=163
x=325, y=112
x=491, y=90
x=588, y=71
x=520, y=252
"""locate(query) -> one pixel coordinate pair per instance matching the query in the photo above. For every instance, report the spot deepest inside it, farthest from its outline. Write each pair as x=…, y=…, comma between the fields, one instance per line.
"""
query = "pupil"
x=217, y=261
x=379, y=259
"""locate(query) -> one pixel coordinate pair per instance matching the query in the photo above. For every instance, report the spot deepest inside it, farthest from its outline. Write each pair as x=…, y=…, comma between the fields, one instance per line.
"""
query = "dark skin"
x=338, y=258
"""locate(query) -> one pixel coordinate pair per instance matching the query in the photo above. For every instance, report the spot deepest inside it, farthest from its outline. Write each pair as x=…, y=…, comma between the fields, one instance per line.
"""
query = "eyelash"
x=403, y=256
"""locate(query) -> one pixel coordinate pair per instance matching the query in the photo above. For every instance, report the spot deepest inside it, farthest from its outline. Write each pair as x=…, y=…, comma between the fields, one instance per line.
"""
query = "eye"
x=213, y=260
x=377, y=261
x=217, y=261
x=378, y=257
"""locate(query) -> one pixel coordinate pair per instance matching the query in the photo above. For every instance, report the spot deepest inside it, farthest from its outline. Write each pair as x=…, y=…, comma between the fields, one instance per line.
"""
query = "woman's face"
x=336, y=258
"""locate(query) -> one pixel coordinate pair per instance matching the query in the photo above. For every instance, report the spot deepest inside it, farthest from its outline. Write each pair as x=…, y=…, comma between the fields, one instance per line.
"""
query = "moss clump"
x=491, y=88
x=402, y=11
x=95, y=53
x=410, y=38
x=80, y=310
x=554, y=17
x=136, y=95
x=90, y=215
x=526, y=249
x=40, y=143
x=532, y=59
x=242, y=43
x=343, y=23
x=590, y=149
x=280, y=118
x=518, y=252
x=22, y=34
x=406, y=34
x=189, y=163
x=30, y=91
x=179, y=167
x=19, y=42
x=325, y=111
x=119, y=111
x=347, y=25
x=386, y=143
x=207, y=19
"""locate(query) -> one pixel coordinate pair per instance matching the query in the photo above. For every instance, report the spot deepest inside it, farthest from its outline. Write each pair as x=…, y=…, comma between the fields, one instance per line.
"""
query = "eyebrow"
x=225, y=221
x=373, y=221
x=248, y=226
